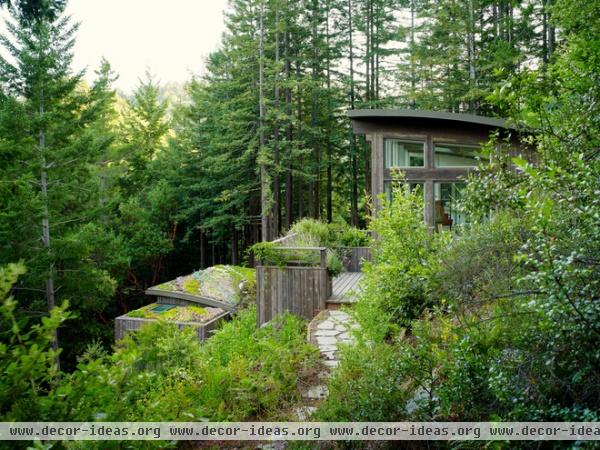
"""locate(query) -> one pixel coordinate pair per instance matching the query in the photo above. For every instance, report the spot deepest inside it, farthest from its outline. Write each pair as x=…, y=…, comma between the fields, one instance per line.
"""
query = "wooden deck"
x=345, y=288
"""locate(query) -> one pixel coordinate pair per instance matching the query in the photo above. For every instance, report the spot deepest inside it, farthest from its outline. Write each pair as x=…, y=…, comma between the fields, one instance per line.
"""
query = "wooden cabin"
x=435, y=150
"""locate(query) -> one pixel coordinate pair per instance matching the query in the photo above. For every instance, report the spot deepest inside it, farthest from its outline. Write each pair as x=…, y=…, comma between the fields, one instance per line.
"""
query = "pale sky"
x=170, y=37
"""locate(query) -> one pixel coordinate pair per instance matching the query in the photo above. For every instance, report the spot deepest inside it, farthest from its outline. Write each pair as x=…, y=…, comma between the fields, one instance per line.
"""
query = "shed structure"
x=435, y=150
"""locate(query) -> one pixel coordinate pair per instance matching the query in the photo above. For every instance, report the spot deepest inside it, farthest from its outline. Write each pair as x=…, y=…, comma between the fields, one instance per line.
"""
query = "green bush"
x=314, y=230
x=273, y=255
x=163, y=373
x=353, y=237
x=479, y=265
x=28, y=366
x=334, y=263
x=367, y=386
x=397, y=283
x=491, y=332
x=319, y=234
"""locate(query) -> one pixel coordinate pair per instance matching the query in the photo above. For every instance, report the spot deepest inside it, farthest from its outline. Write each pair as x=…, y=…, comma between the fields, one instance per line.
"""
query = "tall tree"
x=143, y=133
x=265, y=202
x=52, y=173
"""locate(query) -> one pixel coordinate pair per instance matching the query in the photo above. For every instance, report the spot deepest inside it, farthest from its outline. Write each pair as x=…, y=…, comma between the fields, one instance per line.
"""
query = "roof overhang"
x=375, y=115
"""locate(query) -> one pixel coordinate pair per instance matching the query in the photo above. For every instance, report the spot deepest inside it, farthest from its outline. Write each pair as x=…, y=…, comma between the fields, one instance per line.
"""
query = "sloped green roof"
x=218, y=286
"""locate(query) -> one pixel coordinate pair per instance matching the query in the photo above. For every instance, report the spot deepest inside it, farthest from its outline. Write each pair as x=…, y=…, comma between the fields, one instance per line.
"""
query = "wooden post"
x=323, y=258
x=377, y=173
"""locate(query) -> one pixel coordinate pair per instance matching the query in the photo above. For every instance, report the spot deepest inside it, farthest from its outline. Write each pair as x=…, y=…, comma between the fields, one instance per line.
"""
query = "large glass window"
x=447, y=155
x=446, y=209
x=400, y=153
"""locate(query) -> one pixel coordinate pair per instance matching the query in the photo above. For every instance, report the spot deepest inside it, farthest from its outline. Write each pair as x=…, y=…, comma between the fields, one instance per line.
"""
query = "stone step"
x=326, y=331
x=304, y=412
x=318, y=392
x=335, y=305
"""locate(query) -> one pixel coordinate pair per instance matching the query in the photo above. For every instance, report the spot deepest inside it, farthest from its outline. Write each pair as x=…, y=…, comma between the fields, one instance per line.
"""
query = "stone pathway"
x=329, y=329
x=326, y=331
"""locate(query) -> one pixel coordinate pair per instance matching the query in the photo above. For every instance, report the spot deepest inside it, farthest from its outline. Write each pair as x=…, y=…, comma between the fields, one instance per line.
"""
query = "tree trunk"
x=276, y=186
x=413, y=77
x=289, y=215
x=314, y=195
x=353, y=148
x=471, y=52
x=551, y=31
x=367, y=53
x=202, y=250
x=50, y=298
x=299, y=138
x=264, y=182
x=376, y=33
x=329, y=118
x=372, y=52
x=235, y=259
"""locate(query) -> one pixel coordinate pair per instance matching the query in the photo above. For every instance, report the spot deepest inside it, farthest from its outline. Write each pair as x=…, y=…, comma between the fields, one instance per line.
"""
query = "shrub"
x=479, y=266
x=313, y=230
x=366, y=386
x=353, y=237
x=397, y=282
x=272, y=254
x=163, y=373
x=319, y=234
x=27, y=360
x=334, y=263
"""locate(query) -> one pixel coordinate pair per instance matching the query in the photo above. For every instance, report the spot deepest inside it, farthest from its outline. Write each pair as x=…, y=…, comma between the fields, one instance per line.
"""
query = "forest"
x=104, y=194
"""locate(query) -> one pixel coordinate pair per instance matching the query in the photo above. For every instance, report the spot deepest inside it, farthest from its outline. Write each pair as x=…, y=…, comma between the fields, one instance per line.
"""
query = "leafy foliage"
x=163, y=373
x=404, y=257
x=514, y=336
x=28, y=368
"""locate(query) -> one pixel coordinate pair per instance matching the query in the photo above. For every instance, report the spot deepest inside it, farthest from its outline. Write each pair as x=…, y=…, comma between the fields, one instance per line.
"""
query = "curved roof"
x=426, y=114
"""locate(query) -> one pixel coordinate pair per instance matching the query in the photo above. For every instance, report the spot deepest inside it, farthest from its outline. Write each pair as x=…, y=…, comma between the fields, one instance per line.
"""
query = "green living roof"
x=219, y=286
x=176, y=313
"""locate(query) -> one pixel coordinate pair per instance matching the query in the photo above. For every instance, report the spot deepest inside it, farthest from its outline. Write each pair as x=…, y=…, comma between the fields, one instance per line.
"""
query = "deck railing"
x=302, y=284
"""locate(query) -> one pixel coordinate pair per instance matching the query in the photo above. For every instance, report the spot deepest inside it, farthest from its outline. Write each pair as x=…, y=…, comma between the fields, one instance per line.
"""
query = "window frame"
x=423, y=143
x=442, y=144
x=465, y=218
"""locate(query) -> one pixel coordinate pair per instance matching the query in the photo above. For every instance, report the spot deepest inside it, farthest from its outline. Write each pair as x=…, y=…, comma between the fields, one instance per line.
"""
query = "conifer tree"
x=47, y=116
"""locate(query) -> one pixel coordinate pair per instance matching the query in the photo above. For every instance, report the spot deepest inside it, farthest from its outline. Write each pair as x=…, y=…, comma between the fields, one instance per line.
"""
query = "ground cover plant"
x=159, y=373
x=179, y=313
x=235, y=285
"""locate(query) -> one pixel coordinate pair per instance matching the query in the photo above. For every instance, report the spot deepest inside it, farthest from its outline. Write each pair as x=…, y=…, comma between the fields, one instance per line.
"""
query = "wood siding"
x=299, y=290
x=429, y=131
x=125, y=324
x=353, y=257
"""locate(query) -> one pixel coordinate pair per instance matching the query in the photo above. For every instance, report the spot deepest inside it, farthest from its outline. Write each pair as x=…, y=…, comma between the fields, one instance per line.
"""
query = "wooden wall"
x=125, y=324
x=430, y=132
x=299, y=290
x=354, y=257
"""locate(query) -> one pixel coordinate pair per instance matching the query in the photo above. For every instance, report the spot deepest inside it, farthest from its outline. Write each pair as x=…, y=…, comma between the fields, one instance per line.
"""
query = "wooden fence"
x=297, y=287
x=303, y=285
x=353, y=257
x=299, y=290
